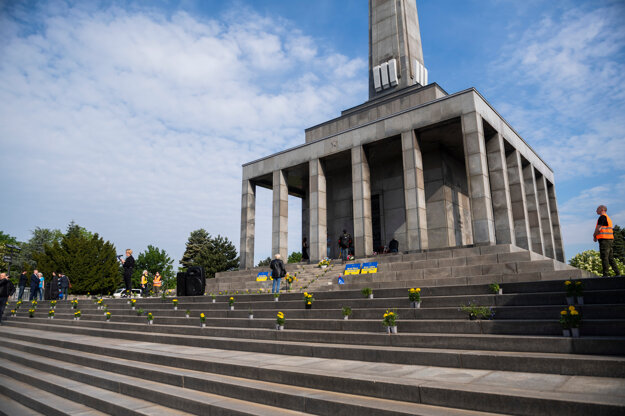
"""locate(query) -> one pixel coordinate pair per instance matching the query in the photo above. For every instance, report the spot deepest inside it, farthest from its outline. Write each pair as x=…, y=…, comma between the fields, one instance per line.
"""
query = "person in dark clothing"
x=129, y=267
x=6, y=287
x=54, y=287
x=63, y=285
x=345, y=241
x=34, y=285
x=305, y=256
x=278, y=271
x=393, y=246
x=604, y=234
x=22, y=284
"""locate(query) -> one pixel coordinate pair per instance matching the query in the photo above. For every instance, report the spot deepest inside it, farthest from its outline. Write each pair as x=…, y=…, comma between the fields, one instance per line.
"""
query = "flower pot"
x=275, y=299
x=500, y=291
x=51, y=317
x=323, y=267
x=175, y=308
x=575, y=332
x=203, y=325
x=371, y=296
x=580, y=300
x=232, y=308
x=213, y=300
x=280, y=327
x=416, y=305
x=472, y=317
x=187, y=315
x=570, y=300
x=308, y=306
x=150, y=322
x=566, y=332
x=133, y=308
x=388, y=329
x=250, y=316
x=346, y=317
x=394, y=329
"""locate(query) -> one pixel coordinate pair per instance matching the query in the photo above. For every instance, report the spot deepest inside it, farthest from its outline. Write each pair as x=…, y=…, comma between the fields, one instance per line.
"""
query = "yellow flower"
x=306, y=294
x=564, y=312
x=574, y=312
x=309, y=303
x=568, y=282
x=571, y=308
x=201, y=315
x=418, y=289
x=578, y=283
x=231, y=298
x=412, y=290
x=385, y=315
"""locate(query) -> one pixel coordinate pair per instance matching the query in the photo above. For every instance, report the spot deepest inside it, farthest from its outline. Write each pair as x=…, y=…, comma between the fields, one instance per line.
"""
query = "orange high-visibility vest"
x=157, y=281
x=144, y=279
x=605, y=233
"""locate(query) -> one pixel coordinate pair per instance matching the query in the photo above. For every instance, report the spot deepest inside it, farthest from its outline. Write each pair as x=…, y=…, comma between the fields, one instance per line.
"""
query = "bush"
x=590, y=261
x=295, y=257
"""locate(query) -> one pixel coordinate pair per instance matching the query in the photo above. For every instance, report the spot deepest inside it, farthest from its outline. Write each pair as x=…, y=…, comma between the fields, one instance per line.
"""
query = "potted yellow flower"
x=51, y=314
x=280, y=320
x=108, y=316
x=415, y=297
x=389, y=320
x=175, y=302
x=308, y=300
x=150, y=318
x=31, y=313
x=203, y=320
x=133, y=303
x=570, y=292
x=231, y=303
x=570, y=319
x=77, y=315
x=52, y=304
x=13, y=312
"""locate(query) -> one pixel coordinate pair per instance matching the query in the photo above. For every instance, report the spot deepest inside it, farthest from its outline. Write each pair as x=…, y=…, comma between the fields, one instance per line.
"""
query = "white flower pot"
x=393, y=329
x=187, y=315
x=133, y=308
x=150, y=322
x=203, y=325
x=566, y=332
x=388, y=329
x=51, y=317
x=323, y=267
x=570, y=300
x=575, y=332
x=501, y=291
x=213, y=300
x=346, y=317
x=580, y=300
x=281, y=328
x=175, y=308
x=250, y=316
x=275, y=299
x=416, y=305
x=232, y=308
x=371, y=296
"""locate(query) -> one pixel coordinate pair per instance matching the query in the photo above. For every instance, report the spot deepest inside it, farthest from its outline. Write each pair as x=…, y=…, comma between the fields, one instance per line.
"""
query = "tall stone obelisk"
x=395, y=52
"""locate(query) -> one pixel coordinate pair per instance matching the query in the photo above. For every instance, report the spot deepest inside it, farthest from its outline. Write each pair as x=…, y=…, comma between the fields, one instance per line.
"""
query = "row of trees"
x=91, y=262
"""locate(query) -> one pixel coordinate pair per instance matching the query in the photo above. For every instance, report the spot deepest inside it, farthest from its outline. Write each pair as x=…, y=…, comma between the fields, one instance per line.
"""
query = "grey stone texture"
x=280, y=223
x=248, y=214
x=533, y=216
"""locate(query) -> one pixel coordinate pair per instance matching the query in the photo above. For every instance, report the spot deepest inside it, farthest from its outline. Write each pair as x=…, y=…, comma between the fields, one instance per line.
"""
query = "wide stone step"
x=511, y=393
x=511, y=353
x=12, y=406
x=102, y=371
x=73, y=396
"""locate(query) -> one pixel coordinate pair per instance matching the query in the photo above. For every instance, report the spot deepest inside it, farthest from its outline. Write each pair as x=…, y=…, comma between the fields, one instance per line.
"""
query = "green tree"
x=153, y=260
x=619, y=244
x=295, y=257
x=214, y=254
x=589, y=260
x=4, y=240
x=88, y=261
x=41, y=237
x=264, y=263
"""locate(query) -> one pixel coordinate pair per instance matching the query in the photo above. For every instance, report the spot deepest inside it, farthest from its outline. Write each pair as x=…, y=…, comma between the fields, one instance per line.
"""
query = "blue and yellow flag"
x=371, y=267
x=262, y=276
x=352, y=269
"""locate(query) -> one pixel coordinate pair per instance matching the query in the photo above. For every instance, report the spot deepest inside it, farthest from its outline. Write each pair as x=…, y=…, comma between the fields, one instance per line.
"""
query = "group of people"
x=129, y=266
x=59, y=285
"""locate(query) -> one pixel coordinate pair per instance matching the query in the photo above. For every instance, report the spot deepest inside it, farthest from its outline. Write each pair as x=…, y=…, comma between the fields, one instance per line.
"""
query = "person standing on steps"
x=129, y=267
x=604, y=234
x=277, y=273
x=393, y=246
x=22, y=284
x=345, y=241
x=305, y=256
x=42, y=285
x=34, y=285
x=6, y=289
x=157, y=283
x=63, y=286
x=144, y=283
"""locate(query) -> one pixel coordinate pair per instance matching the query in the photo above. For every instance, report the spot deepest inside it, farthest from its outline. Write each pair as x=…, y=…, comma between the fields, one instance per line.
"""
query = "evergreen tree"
x=88, y=261
x=619, y=244
x=214, y=254
x=295, y=257
x=153, y=260
x=264, y=263
x=4, y=266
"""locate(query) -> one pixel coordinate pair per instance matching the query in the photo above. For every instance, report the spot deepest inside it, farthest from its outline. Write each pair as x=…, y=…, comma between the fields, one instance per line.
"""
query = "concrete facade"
x=414, y=163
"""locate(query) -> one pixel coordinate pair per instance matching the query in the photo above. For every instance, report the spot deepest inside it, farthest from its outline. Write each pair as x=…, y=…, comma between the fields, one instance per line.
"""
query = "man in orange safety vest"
x=604, y=233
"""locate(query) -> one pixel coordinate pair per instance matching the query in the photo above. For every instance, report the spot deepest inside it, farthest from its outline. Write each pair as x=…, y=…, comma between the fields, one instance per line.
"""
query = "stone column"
x=318, y=211
x=280, y=223
x=414, y=193
x=477, y=175
x=555, y=222
x=545, y=216
x=518, y=200
x=248, y=214
x=533, y=217
x=500, y=190
x=361, y=196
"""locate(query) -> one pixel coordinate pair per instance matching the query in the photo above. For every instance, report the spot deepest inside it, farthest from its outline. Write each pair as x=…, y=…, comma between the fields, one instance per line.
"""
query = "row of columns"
x=510, y=202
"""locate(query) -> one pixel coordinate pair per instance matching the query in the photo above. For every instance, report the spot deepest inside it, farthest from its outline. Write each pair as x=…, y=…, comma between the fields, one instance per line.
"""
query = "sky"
x=133, y=118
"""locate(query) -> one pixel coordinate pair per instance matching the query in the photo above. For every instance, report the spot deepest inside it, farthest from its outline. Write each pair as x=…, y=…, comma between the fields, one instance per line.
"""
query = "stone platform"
x=440, y=362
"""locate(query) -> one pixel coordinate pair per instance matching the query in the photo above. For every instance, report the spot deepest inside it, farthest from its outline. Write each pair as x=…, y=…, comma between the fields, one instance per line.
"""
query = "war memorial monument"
x=428, y=168
x=473, y=208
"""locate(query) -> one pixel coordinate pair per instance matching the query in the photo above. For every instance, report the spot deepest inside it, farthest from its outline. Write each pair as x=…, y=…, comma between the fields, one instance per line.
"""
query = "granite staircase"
x=440, y=362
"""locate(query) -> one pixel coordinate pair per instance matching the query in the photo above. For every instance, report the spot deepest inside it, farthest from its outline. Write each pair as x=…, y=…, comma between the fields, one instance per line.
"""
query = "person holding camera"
x=278, y=271
x=129, y=267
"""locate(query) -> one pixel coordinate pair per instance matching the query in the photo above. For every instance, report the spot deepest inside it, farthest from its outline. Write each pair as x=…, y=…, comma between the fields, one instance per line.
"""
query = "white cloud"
x=136, y=125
